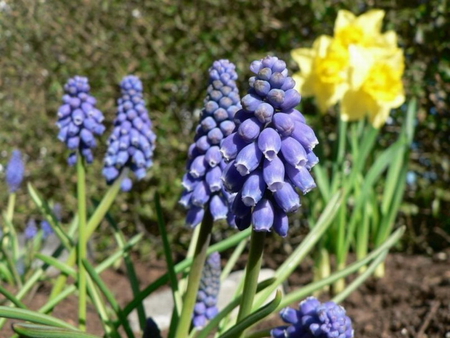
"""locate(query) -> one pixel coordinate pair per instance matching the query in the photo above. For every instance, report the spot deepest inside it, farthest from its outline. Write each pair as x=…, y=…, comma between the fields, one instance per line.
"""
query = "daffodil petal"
x=344, y=18
x=355, y=105
x=304, y=57
x=371, y=21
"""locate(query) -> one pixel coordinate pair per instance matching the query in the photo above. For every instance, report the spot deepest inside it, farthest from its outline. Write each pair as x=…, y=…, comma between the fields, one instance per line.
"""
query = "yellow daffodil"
x=364, y=30
x=359, y=66
x=323, y=71
x=378, y=90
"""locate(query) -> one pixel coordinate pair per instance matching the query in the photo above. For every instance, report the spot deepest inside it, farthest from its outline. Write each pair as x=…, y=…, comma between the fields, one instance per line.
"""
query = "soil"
x=411, y=301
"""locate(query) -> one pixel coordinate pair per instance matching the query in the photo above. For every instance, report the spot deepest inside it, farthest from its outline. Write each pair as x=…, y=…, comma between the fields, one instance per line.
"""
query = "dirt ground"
x=412, y=301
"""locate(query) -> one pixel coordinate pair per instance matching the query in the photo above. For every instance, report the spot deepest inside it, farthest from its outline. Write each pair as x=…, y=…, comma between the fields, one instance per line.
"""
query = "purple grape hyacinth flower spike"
x=15, y=171
x=31, y=230
x=132, y=141
x=314, y=320
x=79, y=120
x=270, y=153
x=202, y=183
x=206, y=305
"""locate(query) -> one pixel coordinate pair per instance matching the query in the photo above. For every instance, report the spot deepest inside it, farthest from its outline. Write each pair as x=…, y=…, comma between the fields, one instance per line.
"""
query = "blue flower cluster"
x=132, y=141
x=206, y=306
x=15, y=171
x=270, y=153
x=79, y=120
x=202, y=183
x=47, y=229
x=31, y=230
x=314, y=320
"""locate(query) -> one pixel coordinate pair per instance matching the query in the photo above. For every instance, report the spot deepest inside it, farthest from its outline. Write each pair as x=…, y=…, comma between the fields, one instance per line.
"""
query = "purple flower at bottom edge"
x=271, y=151
x=314, y=320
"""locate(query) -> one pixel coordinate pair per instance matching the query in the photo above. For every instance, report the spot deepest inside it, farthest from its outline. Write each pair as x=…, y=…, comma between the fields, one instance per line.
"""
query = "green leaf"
x=307, y=290
x=183, y=265
x=45, y=209
x=408, y=127
x=64, y=268
x=109, y=296
x=44, y=331
x=292, y=262
x=254, y=317
x=34, y=317
x=170, y=264
x=12, y=298
x=213, y=323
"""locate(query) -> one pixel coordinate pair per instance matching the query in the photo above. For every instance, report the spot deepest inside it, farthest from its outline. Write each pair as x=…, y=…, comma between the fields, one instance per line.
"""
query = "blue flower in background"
x=15, y=171
x=132, y=141
x=31, y=229
x=79, y=121
x=314, y=320
x=271, y=152
x=47, y=229
x=202, y=183
x=206, y=305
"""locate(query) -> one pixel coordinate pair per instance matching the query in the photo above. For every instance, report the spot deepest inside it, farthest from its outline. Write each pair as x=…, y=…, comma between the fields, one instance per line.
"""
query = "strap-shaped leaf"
x=248, y=321
x=34, y=317
x=45, y=331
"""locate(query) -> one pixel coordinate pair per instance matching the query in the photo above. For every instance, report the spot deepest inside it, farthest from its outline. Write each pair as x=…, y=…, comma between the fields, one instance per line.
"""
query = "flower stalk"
x=252, y=273
x=82, y=242
x=195, y=274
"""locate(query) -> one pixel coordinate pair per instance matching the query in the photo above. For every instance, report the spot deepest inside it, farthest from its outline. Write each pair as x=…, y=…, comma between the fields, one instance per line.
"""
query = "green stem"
x=252, y=273
x=92, y=224
x=11, y=204
x=134, y=282
x=322, y=266
x=195, y=276
x=82, y=242
x=8, y=229
x=361, y=278
x=341, y=141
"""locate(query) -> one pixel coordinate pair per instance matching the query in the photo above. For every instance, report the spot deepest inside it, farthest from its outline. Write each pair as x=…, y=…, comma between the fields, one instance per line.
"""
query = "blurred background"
x=170, y=47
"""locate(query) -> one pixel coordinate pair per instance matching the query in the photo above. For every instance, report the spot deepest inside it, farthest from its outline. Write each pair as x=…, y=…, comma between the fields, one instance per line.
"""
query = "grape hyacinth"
x=270, y=152
x=132, y=141
x=47, y=229
x=202, y=183
x=79, y=120
x=31, y=230
x=206, y=306
x=314, y=320
x=15, y=171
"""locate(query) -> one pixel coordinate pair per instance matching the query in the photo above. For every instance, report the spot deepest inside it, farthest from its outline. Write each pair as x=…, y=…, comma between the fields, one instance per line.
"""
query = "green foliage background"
x=170, y=45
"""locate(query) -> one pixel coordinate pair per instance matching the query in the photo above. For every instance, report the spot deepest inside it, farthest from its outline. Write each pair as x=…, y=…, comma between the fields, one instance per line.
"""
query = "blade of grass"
x=254, y=317
x=131, y=272
x=221, y=246
x=34, y=317
x=170, y=267
x=110, y=298
x=303, y=249
x=44, y=331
